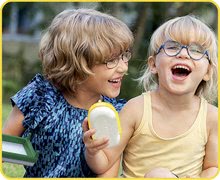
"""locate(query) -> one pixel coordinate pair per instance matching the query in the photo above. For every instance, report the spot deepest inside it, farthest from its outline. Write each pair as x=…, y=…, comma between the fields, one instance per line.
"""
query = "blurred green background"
x=24, y=22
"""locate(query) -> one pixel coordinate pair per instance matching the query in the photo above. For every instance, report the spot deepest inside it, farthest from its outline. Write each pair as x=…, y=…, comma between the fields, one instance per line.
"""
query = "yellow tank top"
x=182, y=154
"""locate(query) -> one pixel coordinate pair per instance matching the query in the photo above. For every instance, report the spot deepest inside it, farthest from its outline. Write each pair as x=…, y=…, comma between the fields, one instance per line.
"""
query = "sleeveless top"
x=182, y=155
x=56, y=130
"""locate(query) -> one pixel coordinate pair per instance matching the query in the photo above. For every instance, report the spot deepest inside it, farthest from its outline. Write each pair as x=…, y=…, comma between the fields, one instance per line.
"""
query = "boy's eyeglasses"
x=173, y=48
x=112, y=63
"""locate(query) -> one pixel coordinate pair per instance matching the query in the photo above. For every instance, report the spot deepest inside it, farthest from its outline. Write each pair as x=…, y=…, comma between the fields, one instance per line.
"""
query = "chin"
x=113, y=95
x=179, y=91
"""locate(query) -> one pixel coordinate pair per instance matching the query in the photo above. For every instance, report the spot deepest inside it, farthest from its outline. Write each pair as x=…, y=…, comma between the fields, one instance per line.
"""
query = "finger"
x=103, y=146
x=87, y=136
x=97, y=143
x=95, y=150
x=85, y=126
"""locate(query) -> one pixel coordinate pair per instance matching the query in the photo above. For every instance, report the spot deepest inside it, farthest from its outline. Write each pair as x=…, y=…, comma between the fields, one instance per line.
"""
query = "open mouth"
x=180, y=71
x=114, y=81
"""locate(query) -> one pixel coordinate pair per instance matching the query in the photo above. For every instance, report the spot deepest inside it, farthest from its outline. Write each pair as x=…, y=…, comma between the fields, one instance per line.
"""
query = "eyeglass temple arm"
x=161, y=47
x=207, y=54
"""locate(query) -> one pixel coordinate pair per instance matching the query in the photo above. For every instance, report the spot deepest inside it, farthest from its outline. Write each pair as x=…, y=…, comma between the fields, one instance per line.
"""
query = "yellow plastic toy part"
x=103, y=117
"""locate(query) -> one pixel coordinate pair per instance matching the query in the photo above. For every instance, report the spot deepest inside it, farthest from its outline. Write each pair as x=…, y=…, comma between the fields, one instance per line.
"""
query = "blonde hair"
x=182, y=29
x=78, y=39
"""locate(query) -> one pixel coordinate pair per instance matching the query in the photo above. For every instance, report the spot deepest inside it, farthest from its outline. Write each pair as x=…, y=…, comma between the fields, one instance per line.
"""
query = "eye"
x=172, y=45
x=194, y=48
x=112, y=61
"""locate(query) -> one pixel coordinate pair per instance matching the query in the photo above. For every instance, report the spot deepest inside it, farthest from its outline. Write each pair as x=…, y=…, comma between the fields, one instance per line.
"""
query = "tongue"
x=180, y=73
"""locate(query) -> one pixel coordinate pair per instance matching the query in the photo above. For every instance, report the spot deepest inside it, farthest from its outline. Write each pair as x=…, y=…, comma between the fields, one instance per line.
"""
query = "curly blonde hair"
x=77, y=40
x=181, y=29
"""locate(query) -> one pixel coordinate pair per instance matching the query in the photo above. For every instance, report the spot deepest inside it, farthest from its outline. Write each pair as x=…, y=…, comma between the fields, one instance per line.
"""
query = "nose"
x=183, y=53
x=122, y=66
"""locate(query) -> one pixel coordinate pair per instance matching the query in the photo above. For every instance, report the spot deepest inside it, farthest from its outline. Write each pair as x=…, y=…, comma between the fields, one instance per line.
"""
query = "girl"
x=169, y=131
x=84, y=56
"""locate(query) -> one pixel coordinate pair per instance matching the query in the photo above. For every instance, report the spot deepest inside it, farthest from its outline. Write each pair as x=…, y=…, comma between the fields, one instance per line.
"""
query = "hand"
x=159, y=173
x=92, y=146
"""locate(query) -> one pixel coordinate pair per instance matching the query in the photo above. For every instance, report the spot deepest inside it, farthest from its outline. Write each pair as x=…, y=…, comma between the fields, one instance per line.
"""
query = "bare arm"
x=13, y=125
x=160, y=172
x=100, y=158
x=113, y=171
x=94, y=153
x=210, y=164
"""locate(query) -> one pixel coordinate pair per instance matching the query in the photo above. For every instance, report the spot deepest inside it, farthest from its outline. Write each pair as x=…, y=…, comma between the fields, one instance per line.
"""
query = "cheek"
x=101, y=78
x=160, y=66
x=160, y=61
x=203, y=68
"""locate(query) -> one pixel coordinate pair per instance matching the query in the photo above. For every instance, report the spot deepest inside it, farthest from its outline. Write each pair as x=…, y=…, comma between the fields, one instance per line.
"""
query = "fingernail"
x=93, y=130
x=106, y=139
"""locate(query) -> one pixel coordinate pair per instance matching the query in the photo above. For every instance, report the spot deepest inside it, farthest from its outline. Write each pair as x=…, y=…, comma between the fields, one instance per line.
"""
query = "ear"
x=152, y=64
x=208, y=74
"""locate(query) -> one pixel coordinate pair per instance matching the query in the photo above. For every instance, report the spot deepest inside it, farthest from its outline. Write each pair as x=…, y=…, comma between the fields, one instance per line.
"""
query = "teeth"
x=182, y=67
x=115, y=80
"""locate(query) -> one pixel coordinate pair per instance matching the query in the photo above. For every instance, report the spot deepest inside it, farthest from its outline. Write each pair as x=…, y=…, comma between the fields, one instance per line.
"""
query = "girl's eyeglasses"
x=173, y=48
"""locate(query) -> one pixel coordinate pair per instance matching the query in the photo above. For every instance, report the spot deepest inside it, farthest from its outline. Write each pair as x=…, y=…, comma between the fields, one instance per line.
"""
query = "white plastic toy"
x=104, y=118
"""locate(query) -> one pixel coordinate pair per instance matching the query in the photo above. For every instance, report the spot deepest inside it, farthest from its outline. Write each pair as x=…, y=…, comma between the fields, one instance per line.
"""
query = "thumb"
x=85, y=125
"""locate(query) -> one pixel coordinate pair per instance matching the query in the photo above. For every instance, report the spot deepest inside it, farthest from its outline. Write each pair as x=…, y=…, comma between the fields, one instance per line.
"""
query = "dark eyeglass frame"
x=182, y=46
x=117, y=59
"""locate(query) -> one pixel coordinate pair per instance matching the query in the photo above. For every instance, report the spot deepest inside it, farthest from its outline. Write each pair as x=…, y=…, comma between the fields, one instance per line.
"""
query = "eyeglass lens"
x=126, y=56
x=173, y=48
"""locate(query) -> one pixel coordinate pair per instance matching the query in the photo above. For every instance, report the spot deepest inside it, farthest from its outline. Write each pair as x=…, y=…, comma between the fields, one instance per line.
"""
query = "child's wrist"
x=90, y=154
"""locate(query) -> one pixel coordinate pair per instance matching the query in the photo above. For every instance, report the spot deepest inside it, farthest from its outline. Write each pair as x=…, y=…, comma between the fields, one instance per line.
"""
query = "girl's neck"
x=175, y=101
x=81, y=99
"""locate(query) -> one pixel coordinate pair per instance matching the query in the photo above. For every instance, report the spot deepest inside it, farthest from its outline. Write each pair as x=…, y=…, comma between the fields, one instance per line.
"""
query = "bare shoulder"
x=212, y=117
x=212, y=114
x=135, y=103
x=133, y=110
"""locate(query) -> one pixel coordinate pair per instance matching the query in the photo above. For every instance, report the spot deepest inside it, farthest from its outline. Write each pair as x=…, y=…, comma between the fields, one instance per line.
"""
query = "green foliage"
x=13, y=170
x=141, y=17
x=6, y=108
x=9, y=87
x=17, y=71
x=130, y=86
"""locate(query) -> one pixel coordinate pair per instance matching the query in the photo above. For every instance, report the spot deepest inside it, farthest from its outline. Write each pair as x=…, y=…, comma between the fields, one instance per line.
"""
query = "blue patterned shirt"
x=56, y=130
